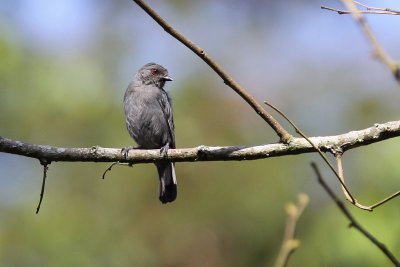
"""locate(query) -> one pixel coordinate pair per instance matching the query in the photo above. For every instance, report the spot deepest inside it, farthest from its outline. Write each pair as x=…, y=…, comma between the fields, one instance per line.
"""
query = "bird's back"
x=145, y=115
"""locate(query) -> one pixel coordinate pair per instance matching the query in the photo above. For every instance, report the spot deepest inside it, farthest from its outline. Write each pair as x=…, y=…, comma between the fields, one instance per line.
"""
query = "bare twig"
x=368, y=10
x=332, y=144
x=378, y=11
x=353, y=223
x=348, y=194
x=45, y=164
x=284, y=136
x=289, y=243
x=112, y=165
x=350, y=198
x=388, y=10
x=369, y=208
x=385, y=200
x=339, y=174
x=379, y=52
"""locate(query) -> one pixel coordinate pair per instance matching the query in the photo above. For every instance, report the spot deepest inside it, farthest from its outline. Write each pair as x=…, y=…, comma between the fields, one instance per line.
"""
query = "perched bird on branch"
x=149, y=120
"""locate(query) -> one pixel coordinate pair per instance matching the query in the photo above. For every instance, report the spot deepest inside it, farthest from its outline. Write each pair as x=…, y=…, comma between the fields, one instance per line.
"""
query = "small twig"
x=338, y=157
x=357, y=14
x=353, y=200
x=394, y=12
x=284, y=136
x=339, y=174
x=45, y=164
x=382, y=11
x=353, y=223
x=385, y=200
x=112, y=165
x=289, y=243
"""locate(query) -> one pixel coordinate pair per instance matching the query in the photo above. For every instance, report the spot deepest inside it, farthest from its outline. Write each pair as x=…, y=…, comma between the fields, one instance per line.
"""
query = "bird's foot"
x=125, y=150
x=164, y=150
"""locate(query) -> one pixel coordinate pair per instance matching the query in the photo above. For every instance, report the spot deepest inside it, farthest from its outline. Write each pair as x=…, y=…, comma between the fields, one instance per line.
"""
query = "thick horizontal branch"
x=333, y=144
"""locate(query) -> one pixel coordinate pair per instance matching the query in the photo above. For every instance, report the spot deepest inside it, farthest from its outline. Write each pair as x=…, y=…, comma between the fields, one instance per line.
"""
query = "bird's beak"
x=167, y=78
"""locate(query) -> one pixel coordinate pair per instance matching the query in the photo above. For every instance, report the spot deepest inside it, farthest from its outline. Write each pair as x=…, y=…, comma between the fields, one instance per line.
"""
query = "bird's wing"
x=165, y=103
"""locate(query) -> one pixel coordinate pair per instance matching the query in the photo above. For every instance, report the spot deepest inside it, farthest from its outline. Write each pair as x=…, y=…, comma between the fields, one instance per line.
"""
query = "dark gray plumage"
x=149, y=119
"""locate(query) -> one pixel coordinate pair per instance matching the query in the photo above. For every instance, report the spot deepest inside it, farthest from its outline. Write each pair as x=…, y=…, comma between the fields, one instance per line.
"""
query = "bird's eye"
x=154, y=71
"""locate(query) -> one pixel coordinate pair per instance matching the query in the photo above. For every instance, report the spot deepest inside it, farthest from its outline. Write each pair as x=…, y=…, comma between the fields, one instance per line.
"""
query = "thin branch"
x=339, y=173
x=357, y=14
x=369, y=208
x=45, y=164
x=289, y=243
x=385, y=200
x=388, y=10
x=377, y=11
x=353, y=223
x=332, y=144
x=368, y=10
x=284, y=136
x=347, y=192
x=112, y=165
x=349, y=197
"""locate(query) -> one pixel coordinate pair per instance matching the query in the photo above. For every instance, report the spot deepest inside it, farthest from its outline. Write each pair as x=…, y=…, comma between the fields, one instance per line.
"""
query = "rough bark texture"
x=337, y=143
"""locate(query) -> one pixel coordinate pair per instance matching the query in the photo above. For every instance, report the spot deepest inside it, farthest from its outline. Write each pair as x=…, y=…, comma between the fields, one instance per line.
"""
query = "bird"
x=150, y=122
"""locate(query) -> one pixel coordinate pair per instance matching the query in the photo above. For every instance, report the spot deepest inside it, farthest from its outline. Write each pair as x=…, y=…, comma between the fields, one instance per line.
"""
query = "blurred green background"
x=64, y=67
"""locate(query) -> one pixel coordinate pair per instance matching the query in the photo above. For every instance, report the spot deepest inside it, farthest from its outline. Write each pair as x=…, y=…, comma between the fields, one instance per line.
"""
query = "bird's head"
x=152, y=73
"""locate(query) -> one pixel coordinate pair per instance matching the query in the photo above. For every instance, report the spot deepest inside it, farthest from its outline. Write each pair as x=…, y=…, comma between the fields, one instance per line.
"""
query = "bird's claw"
x=164, y=150
x=125, y=150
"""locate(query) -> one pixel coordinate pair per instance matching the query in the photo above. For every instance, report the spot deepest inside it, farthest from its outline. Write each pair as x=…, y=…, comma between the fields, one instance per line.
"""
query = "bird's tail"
x=168, y=185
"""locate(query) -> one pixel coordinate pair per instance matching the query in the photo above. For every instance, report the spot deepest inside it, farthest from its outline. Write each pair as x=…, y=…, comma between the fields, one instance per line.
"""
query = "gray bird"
x=150, y=122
